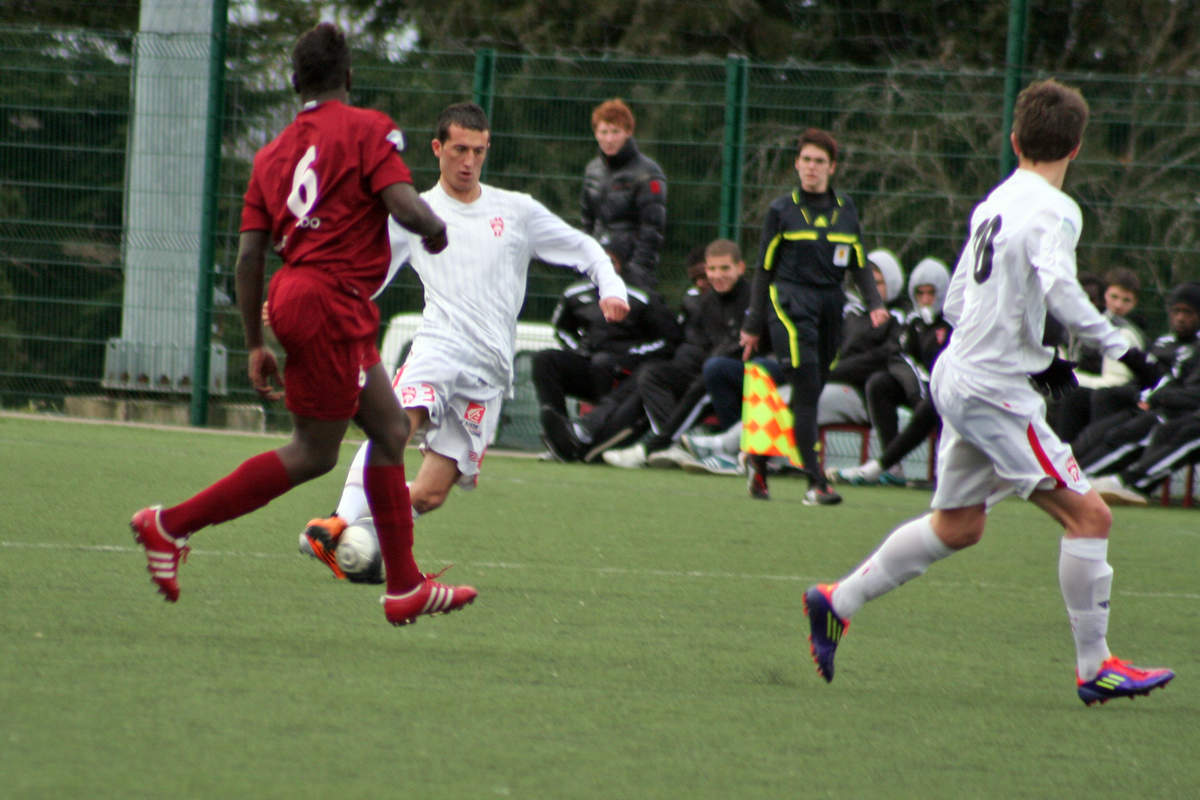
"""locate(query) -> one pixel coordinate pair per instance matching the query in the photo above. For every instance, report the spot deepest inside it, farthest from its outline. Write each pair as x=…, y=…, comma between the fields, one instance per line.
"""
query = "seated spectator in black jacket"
x=865, y=348
x=1173, y=445
x=597, y=355
x=1116, y=441
x=1069, y=414
x=671, y=395
x=689, y=305
x=624, y=202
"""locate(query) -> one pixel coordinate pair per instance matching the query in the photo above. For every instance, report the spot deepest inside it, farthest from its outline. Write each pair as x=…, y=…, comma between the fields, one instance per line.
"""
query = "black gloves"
x=1144, y=368
x=1057, y=379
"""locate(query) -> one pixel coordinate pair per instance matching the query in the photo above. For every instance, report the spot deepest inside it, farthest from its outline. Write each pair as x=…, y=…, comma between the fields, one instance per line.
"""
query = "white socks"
x=1085, y=578
x=906, y=553
x=353, y=505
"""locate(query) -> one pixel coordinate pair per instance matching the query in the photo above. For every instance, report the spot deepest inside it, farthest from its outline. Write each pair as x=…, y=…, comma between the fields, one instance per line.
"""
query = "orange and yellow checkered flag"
x=766, y=419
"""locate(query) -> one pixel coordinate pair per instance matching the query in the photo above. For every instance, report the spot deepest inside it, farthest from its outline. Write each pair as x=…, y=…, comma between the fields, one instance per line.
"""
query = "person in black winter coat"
x=597, y=356
x=1114, y=442
x=671, y=395
x=624, y=201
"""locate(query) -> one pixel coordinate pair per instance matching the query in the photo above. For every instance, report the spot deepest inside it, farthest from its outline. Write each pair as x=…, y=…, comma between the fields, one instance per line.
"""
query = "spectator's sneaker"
x=821, y=496
x=715, y=465
x=863, y=475
x=1119, y=678
x=163, y=551
x=626, y=457
x=826, y=628
x=849, y=475
x=319, y=540
x=430, y=597
x=700, y=447
x=756, y=477
x=1116, y=493
x=558, y=436
x=893, y=477
x=672, y=457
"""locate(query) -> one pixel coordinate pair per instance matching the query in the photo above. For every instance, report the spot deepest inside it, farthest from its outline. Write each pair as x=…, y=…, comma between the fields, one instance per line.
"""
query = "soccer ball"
x=358, y=553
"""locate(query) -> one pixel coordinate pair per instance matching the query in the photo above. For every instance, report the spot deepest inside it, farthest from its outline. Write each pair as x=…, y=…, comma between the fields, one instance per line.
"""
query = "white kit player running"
x=1018, y=264
x=460, y=365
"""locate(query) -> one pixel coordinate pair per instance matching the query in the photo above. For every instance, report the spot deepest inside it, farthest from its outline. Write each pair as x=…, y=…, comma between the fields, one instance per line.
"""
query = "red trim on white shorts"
x=1043, y=459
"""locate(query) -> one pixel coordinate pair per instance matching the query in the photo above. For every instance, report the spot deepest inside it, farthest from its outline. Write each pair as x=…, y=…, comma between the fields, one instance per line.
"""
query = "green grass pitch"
x=637, y=635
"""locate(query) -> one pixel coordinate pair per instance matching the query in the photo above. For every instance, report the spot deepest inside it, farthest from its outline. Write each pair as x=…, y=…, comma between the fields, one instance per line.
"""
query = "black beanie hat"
x=1186, y=293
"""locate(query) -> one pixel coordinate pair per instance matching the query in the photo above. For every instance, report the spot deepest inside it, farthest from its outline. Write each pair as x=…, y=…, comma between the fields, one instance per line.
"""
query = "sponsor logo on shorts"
x=497, y=226
x=473, y=417
x=1073, y=468
x=362, y=377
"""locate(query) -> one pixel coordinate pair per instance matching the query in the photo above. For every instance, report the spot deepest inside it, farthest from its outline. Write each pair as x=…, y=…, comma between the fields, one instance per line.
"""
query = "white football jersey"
x=474, y=289
x=1018, y=262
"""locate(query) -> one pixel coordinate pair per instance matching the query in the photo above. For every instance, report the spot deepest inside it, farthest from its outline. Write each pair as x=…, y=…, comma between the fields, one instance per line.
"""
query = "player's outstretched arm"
x=414, y=214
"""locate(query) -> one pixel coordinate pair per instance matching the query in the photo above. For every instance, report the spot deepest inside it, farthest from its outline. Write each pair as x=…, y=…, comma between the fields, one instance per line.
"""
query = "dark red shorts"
x=322, y=332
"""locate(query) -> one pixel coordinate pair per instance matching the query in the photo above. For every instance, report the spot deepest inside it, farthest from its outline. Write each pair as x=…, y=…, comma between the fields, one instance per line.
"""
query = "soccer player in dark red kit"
x=321, y=194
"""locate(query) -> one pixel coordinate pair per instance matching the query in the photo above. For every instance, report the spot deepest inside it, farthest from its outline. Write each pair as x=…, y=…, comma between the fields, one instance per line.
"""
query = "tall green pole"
x=484, y=87
x=212, y=170
x=1014, y=68
x=736, y=91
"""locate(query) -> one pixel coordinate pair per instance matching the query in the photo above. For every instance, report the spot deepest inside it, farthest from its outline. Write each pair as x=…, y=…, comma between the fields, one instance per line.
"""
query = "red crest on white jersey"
x=497, y=226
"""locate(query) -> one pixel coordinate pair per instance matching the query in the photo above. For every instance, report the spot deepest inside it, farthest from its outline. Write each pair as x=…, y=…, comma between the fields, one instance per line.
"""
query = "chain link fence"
x=920, y=147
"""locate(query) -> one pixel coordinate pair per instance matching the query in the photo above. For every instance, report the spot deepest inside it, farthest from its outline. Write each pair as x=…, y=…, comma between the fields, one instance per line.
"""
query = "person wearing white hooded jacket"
x=905, y=382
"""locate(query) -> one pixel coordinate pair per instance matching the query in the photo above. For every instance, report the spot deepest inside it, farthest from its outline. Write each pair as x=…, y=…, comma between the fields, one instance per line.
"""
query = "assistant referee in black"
x=810, y=239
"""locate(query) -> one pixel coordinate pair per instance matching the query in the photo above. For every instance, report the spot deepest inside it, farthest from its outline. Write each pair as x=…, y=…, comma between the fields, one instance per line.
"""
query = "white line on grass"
x=636, y=571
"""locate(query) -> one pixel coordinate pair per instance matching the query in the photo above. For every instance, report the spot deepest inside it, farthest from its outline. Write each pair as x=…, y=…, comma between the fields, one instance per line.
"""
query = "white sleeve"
x=556, y=242
x=1112, y=371
x=401, y=252
x=1052, y=254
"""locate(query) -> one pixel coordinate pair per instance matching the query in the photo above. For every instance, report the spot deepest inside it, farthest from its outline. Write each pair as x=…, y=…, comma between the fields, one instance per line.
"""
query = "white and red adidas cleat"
x=430, y=597
x=163, y=552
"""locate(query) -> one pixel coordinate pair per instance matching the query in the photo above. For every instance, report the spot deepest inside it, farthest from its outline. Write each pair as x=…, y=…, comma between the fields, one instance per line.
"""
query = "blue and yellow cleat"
x=826, y=627
x=1119, y=678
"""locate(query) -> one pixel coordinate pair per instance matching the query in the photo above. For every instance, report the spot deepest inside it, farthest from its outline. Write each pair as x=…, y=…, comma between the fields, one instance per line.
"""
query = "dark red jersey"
x=315, y=189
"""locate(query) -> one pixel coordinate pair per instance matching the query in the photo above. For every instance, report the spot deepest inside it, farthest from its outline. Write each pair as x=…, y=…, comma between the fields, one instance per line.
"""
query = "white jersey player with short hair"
x=1017, y=264
x=460, y=365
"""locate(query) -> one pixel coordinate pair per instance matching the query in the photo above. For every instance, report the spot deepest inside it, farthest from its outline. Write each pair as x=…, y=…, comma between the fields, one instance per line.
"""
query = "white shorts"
x=463, y=411
x=995, y=442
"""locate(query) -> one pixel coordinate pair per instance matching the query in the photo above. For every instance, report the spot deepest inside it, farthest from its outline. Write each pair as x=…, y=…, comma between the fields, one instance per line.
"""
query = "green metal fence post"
x=1014, y=69
x=736, y=92
x=212, y=170
x=484, y=88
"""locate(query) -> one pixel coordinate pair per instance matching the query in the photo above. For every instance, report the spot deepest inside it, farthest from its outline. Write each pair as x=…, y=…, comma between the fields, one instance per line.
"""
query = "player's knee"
x=1094, y=519
x=317, y=462
x=425, y=499
x=960, y=528
x=390, y=444
x=964, y=536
